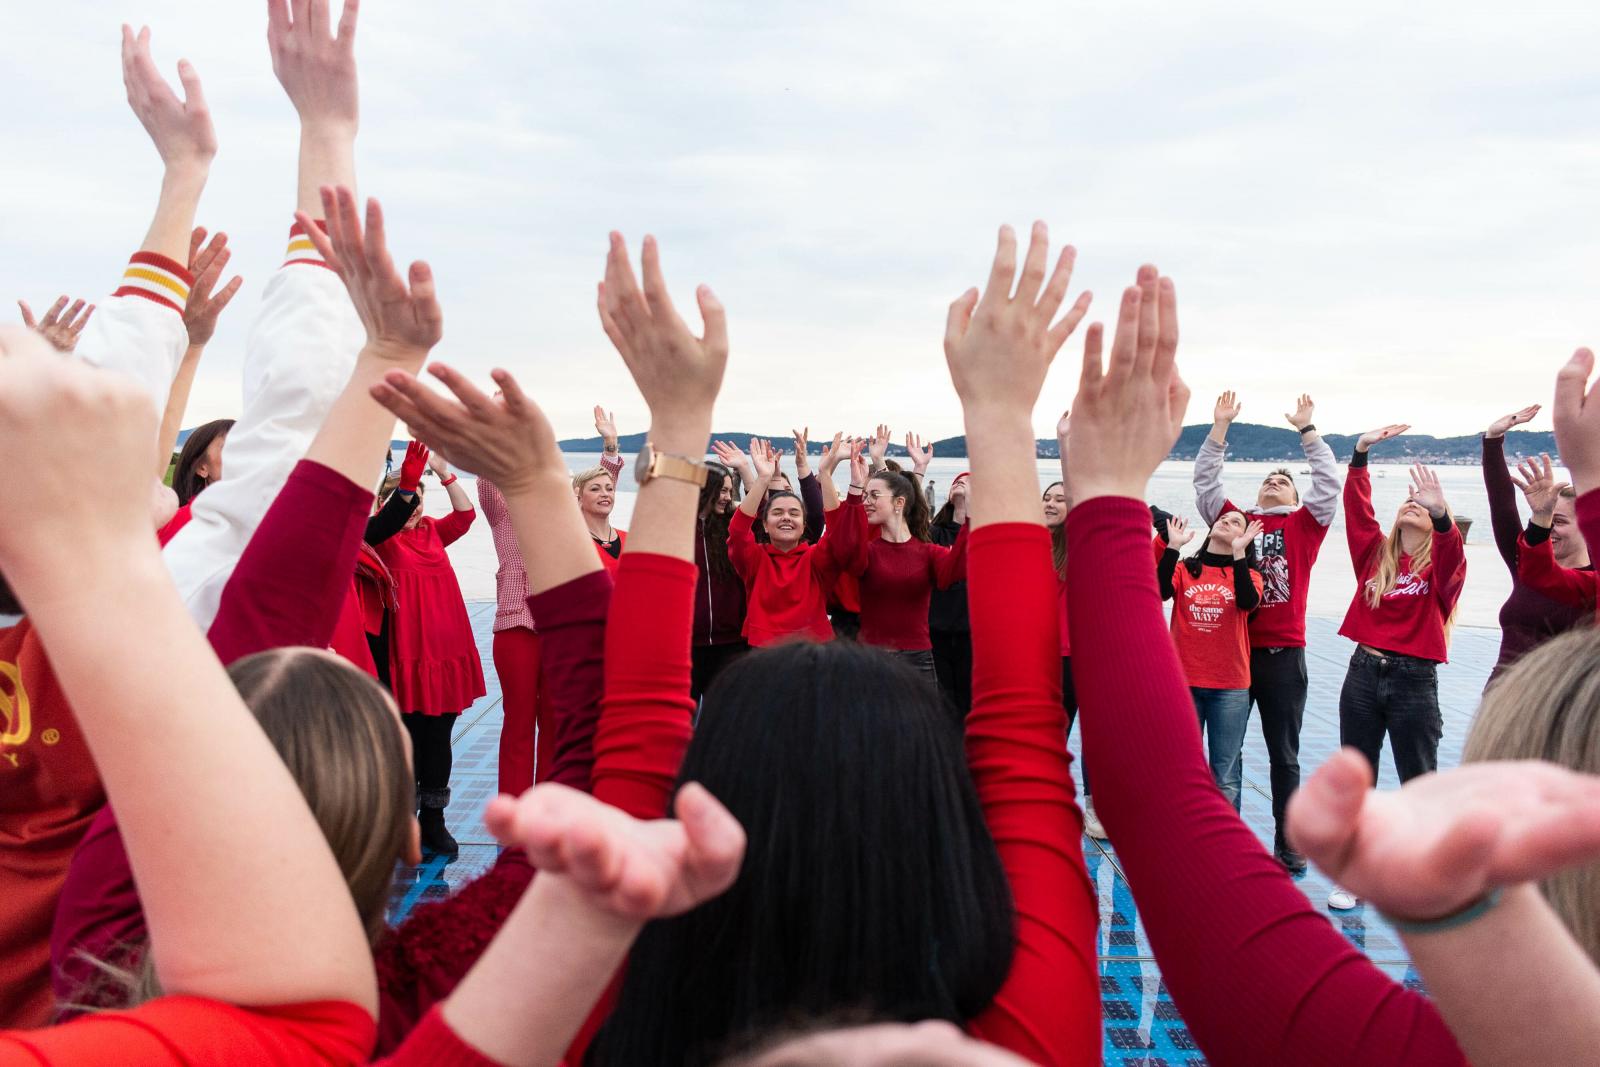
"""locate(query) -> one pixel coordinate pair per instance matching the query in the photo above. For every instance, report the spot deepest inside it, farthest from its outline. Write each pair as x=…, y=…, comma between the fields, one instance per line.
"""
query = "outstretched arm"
x=200, y=322
x=1321, y=501
x=998, y=348
x=1209, y=496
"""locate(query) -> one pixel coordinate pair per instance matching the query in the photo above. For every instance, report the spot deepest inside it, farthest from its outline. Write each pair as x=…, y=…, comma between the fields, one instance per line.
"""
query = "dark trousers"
x=430, y=755
x=707, y=661
x=378, y=645
x=846, y=624
x=1278, y=688
x=1069, y=700
x=921, y=661
x=952, y=662
x=1397, y=695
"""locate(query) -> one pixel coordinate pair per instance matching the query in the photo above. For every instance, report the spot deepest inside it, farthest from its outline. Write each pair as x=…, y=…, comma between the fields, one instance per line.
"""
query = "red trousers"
x=527, y=742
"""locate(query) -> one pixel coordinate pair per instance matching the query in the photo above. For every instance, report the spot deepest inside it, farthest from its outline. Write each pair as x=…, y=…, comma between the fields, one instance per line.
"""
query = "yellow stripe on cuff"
x=164, y=280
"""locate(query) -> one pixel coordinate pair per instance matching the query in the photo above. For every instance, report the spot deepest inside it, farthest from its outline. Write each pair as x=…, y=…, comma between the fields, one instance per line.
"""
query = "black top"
x=391, y=518
x=1245, y=595
x=947, y=608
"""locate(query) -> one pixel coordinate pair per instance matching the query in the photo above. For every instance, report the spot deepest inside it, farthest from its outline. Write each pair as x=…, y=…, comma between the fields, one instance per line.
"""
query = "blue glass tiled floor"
x=1142, y=1027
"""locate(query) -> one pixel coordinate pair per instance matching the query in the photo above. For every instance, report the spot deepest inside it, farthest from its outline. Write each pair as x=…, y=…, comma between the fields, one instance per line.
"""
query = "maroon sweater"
x=1259, y=974
x=897, y=583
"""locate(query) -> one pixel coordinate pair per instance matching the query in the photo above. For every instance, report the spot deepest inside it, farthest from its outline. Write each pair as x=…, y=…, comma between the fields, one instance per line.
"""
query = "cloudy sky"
x=1392, y=209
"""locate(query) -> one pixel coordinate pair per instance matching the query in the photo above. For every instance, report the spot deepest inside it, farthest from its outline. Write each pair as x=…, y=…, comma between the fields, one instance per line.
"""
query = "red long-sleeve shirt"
x=1411, y=617
x=1537, y=567
x=897, y=583
x=193, y=1031
x=786, y=593
x=1259, y=974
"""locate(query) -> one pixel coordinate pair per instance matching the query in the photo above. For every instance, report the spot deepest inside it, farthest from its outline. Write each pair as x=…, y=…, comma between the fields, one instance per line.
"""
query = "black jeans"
x=846, y=624
x=708, y=661
x=1278, y=688
x=952, y=661
x=1069, y=700
x=1397, y=695
x=921, y=661
x=430, y=755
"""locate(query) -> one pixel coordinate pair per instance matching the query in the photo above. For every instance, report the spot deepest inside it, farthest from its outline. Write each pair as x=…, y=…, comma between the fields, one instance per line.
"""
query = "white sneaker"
x=1091, y=821
x=1342, y=899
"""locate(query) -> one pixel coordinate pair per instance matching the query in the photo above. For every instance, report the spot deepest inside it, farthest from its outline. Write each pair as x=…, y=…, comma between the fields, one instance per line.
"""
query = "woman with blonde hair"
x=596, y=490
x=1408, y=583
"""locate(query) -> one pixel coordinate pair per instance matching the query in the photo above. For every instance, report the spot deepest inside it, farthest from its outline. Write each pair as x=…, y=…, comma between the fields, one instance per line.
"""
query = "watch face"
x=641, y=467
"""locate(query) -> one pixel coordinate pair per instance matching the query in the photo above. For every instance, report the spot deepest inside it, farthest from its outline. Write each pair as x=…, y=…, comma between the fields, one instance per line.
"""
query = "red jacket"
x=1411, y=617
x=786, y=592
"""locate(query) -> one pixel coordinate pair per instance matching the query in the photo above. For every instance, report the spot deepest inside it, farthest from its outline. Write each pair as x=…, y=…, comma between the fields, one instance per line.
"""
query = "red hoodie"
x=1411, y=617
x=786, y=592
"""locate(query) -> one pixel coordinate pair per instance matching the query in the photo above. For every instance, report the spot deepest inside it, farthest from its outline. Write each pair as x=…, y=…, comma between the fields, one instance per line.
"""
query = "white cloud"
x=1390, y=208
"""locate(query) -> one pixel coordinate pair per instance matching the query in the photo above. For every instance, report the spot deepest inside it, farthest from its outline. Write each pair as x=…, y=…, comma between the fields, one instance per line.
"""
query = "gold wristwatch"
x=652, y=464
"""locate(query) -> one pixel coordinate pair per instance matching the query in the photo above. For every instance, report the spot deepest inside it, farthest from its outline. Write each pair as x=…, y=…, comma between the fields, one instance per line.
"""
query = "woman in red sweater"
x=1214, y=594
x=786, y=580
x=899, y=569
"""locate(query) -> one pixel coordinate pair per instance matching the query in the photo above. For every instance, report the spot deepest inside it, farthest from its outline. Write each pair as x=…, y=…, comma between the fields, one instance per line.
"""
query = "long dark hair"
x=1193, y=562
x=1058, y=538
x=185, y=482
x=909, y=486
x=870, y=882
x=715, y=527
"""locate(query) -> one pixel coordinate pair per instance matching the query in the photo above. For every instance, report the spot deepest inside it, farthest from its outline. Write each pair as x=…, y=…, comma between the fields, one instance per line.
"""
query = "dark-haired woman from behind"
x=1213, y=594
x=719, y=593
x=198, y=465
x=883, y=846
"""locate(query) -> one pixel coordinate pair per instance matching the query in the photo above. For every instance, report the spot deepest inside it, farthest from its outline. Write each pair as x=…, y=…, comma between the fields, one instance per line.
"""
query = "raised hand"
x=878, y=445
x=316, y=68
x=439, y=465
x=1304, y=409
x=412, y=466
x=1242, y=543
x=1499, y=426
x=835, y=453
x=1426, y=490
x=1540, y=486
x=402, y=321
x=860, y=465
x=1178, y=532
x=181, y=129
x=1129, y=412
x=678, y=373
x=921, y=455
x=61, y=325
x=764, y=459
x=505, y=439
x=1063, y=428
x=802, y=458
x=732, y=456
x=1577, y=418
x=999, y=345
x=206, y=264
x=1382, y=433
x=42, y=394
x=1442, y=841
x=605, y=424
x=1228, y=407
x=633, y=869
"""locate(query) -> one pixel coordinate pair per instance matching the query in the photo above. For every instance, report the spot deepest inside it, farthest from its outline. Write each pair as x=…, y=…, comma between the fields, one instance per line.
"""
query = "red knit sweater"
x=897, y=583
x=1260, y=975
x=1411, y=617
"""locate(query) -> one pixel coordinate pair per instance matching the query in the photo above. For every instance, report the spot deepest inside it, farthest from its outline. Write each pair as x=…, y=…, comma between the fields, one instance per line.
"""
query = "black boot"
x=435, y=835
x=1292, y=861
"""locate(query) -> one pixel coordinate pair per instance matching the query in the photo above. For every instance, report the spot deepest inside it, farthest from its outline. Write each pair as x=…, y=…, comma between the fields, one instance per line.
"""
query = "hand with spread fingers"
x=206, y=263
x=802, y=457
x=1426, y=490
x=921, y=453
x=1540, y=486
x=181, y=129
x=1178, y=532
x=1129, y=410
x=878, y=445
x=403, y=321
x=315, y=66
x=1305, y=408
x=678, y=373
x=60, y=325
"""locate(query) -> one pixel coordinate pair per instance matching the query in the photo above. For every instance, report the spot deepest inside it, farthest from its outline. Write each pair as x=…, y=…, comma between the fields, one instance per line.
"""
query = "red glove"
x=411, y=470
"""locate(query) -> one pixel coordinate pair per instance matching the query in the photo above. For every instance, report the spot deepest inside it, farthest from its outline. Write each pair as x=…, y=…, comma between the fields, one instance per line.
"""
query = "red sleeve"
x=572, y=638
x=742, y=548
x=843, y=545
x=1587, y=511
x=434, y=1044
x=1048, y=1011
x=1449, y=562
x=452, y=526
x=1537, y=566
x=294, y=575
x=1361, y=527
x=950, y=564
x=1159, y=547
x=491, y=501
x=422, y=960
x=1259, y=974
x=182, y=1031
x=644, y=726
